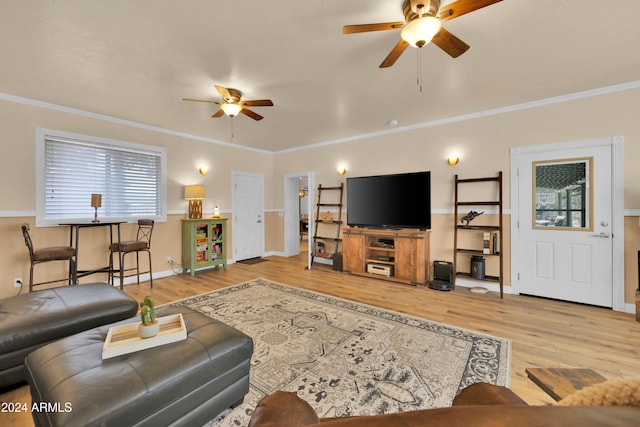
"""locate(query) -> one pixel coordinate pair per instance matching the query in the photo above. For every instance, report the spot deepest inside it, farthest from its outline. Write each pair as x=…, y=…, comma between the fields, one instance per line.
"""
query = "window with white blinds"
x=130, y=177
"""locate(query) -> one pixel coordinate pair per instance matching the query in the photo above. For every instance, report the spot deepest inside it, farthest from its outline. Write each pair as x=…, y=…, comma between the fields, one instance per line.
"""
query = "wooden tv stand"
x=396, y=255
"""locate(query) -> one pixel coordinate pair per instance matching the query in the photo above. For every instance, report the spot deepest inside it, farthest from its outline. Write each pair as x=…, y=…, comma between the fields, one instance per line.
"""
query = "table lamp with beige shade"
x=96, y=202
x=194, y=194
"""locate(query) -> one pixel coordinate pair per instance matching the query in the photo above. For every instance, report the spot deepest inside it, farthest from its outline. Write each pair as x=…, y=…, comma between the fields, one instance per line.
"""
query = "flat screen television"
x=390, y=201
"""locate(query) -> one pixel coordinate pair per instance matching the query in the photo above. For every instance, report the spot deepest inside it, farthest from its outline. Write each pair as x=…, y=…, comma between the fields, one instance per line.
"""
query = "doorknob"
x=604, y=235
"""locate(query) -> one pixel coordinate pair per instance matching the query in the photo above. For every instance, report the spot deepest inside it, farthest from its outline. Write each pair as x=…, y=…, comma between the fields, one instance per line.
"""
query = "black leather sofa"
x=29, y=321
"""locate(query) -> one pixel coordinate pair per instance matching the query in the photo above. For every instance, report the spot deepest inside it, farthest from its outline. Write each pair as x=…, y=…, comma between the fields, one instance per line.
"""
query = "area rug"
x=347, y=358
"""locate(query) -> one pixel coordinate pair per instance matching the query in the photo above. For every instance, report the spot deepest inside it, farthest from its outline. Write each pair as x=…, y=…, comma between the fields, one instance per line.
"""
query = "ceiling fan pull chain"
x=419, y=70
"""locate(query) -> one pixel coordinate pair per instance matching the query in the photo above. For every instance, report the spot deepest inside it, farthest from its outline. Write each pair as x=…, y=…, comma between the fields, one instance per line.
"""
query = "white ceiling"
x=136, y=60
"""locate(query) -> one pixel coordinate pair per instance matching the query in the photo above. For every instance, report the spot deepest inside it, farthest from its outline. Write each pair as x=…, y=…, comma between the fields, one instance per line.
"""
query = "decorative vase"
x=148, y=331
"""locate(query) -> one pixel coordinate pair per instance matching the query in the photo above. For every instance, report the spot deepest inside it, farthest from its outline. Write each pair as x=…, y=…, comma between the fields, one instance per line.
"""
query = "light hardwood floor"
x=543, y=333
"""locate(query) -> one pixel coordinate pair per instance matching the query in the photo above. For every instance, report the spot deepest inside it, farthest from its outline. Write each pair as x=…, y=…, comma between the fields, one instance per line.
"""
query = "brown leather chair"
x=141, y=244
x=57, y=253
x=478, y=405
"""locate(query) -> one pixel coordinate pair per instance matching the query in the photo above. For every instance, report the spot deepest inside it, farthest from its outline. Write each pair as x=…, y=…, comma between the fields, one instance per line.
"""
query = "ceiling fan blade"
x=200, y=100
x=365, y=28
x=462, y=7
x=395, y=53
x=450, y=43
x=224, y=92
x=219, y=113
x=258, y=103
x=254, y=116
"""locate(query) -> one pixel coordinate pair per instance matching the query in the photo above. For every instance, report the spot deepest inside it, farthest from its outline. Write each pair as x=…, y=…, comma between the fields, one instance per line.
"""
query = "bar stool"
x=58, y=253
x=141, y=244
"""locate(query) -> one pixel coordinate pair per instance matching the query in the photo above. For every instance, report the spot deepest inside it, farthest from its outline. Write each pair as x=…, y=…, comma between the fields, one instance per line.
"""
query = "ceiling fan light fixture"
x=230, y=109
x=420, y=31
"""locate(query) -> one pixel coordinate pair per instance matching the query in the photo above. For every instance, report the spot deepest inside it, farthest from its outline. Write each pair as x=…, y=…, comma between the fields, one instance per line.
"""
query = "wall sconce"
x=96, y=202
x=203, y=170
x=194, y=194
x=453, y=159
x=342, y=170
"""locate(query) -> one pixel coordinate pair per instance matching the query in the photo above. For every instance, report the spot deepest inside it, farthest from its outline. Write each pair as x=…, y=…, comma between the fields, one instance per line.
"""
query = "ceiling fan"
x=233, y=104
x=424, y=24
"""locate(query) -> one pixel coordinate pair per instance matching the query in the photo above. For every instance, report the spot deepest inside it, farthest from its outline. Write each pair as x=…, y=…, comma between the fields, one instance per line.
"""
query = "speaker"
x=337, y=261
x=442, y=276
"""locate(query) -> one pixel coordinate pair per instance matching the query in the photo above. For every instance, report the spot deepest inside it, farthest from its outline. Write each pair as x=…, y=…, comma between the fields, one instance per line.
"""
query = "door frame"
x=291, y=220
x=616, y=143
x=234, y=189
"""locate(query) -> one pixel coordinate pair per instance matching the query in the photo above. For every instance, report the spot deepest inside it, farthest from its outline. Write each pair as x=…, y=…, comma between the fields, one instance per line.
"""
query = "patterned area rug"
x=347, y=358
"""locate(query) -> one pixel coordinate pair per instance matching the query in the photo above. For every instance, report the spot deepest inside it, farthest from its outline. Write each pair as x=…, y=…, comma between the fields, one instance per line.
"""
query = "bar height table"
x=74, y=234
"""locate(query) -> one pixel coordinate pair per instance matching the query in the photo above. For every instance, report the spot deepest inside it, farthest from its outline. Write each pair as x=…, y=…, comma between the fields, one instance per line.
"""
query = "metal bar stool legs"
x=143, y=243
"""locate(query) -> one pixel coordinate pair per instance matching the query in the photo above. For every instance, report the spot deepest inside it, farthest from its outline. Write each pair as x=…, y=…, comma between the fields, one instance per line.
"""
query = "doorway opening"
x=299, y=195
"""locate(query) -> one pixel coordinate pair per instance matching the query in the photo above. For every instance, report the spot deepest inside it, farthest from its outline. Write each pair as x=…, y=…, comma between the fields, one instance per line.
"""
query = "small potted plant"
x=149, y=325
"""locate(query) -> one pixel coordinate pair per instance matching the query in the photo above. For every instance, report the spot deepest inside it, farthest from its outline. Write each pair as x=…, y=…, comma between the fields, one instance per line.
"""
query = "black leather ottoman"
x=32, y=320
x=185, y=383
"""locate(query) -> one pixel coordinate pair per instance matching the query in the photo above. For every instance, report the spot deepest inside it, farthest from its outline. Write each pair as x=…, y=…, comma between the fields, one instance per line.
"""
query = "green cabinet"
x=204, y=244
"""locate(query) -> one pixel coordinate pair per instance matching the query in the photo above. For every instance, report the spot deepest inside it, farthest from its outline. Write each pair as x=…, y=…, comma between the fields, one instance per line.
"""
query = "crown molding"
x=445, y=121
x=131, y=123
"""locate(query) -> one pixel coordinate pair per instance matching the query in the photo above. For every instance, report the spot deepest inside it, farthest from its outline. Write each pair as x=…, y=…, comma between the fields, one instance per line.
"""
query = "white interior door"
x=564, y=224
x=248, y=216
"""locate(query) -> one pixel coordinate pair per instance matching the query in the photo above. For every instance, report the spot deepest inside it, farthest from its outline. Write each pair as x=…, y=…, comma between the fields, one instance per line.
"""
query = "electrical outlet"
x=17, y=282
x=169, y=260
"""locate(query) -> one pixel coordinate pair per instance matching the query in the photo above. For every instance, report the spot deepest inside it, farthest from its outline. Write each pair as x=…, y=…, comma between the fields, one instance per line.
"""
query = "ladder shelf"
x=327, y=230
x=493, y=247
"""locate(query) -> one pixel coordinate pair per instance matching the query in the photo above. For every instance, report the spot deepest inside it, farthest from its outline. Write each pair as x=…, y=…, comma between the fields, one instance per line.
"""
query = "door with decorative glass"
x=564, y=225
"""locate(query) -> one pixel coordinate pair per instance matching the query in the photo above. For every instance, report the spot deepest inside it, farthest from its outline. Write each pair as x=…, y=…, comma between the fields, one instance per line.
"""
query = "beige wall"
x=631, y=248
x=274, y=232
x=18, y=125
x=483, y=143
x=17, y=141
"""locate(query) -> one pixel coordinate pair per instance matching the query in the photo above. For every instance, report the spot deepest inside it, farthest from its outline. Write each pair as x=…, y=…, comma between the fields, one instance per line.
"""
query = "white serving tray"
x=124, y=339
